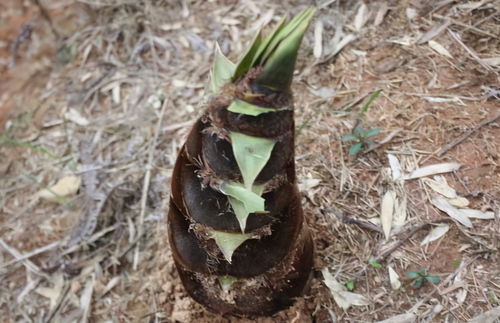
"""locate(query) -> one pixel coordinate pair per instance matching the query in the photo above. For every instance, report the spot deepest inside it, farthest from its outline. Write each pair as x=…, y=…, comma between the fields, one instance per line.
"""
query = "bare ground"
x=101, y=94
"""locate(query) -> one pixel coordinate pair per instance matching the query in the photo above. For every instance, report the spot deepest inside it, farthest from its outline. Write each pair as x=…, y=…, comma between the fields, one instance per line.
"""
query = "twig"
x=348, y=220
x=28, y=264
x=457, y=141
x=385, y=253
x=387, y=138
x=147, y=179
x=31, y=254
x=471, y=27
x=405, y=236
x=468, y=50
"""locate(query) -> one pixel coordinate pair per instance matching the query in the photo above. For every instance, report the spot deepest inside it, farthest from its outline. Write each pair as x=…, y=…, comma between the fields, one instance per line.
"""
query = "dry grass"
x=116, y=114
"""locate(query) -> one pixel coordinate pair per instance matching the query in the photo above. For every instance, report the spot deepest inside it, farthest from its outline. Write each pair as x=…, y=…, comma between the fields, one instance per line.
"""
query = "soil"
x=85, y=85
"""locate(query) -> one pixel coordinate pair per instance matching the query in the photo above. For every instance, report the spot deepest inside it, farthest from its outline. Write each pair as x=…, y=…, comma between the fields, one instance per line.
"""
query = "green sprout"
x=373, y=262
x=360, y=136
x=349, y=285
x=420, y=276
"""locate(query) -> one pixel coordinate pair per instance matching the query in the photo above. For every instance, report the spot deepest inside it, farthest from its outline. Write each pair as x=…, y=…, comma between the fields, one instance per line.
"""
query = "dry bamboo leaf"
x=395, y=167
x=53, y=293
x=318, y=39
x=493, y=61
x=399, y=218
x=361, y=17
x=401, y=318
x=449, y=209
x=411, y=13
x=488, y=316
x=471, y=5
x=461, y=296
x=381, y=12
x=441, y=187
x=387, y=212
x=477, y=214
x=115, y=93
x=435, y=30
x=66, y=186
x=459, y=201
x=433, y=170
x=439, y=48
x=75, y=117
x=394, y=278
x=342, y=297
x=86, y=298
x=435, y=233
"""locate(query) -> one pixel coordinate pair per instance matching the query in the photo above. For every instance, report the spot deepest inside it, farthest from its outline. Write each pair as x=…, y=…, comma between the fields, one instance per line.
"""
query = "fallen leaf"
x=75, y=117
x=381, y=12
x=461, y=296
x=459, y=201
x=394, y=278
x=493, y=61
x=477, y=214
x=488, y=316
x=439, y=48
x=86, y=298
x=432, y=170
x=395, y=167
x=387, y=212
x=435, y=233
x=361, y=17
x=452, y=211
x=66, y=186
x=439, y=185
x=401, y=318
x=342, y=297
x=399, y=218
x=318, y=39
x=53, y=293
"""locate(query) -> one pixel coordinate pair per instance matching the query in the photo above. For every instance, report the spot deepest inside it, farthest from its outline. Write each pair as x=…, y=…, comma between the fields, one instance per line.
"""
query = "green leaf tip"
x=244, y=201
x=281, y=54
x=228, y=242
x=277, y=53
x=226, y=282
x=222, y=70
x=251, y=154
x=240, y=106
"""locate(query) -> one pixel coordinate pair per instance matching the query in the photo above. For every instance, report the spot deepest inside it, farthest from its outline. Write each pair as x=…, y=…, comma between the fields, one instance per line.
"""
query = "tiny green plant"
x=420, y=276
x=359, y=136
x=373, y=262
x=349, y=285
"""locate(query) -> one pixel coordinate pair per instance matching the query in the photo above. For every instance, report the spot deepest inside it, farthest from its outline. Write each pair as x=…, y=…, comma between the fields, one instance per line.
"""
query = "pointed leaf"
x=240, y=106
x=349, y=138
x=279, y=63
x=258, y=59
x=251, y=154
x=435, y=234
x=433, y=279
x=394, y=278
x=354, y=150
x=387, y=212
x=285, y=31
x=240, y=210
x=245, y=64
x=342, y=297
x=251, y=201
x=412, y=274
x=221, y=71
x=228, y=242
x=372, y=132
x=226, y=282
